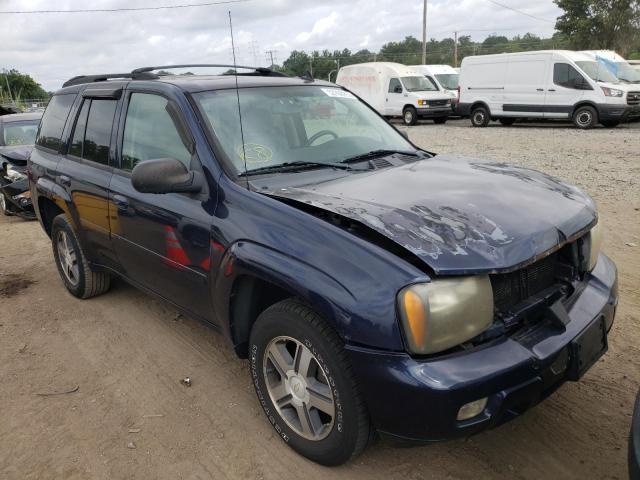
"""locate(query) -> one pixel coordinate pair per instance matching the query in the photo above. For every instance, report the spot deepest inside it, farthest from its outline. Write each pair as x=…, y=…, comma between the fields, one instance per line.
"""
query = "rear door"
x=85, y=172
x=162, y=240
x=525, y=86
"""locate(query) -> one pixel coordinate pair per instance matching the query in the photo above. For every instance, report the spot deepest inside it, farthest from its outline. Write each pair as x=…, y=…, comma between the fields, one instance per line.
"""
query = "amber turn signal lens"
x=416, y=317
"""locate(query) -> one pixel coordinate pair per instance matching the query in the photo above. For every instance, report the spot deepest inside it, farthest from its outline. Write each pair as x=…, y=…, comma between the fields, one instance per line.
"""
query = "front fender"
x=357, y=320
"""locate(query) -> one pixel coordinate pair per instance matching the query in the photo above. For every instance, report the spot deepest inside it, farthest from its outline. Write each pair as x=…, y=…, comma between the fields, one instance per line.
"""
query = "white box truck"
x=395, y=90
x=445, y=77
x=553, y=84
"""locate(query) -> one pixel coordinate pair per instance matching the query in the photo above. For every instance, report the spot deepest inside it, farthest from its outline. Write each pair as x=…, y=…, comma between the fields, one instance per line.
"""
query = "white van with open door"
x=396, y=90
x=553, y=84
x=444, y=76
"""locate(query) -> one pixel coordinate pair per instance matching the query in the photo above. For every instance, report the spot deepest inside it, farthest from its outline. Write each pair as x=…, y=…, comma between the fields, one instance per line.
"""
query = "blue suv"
x=375, y=287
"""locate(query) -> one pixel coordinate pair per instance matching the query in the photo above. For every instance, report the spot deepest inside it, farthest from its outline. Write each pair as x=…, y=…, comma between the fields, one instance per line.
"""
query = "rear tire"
x=480, y=117
x=610, y=123
x=585, y=117
x=507, y=122
x=305, y=384
x=73, y=267
x=440, y=121
x=410, y=116
x=3, y=205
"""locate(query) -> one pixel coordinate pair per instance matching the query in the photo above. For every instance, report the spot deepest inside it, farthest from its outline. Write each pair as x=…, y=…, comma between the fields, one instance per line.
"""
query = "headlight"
x=423, y=103
x=612, y=92
x=14, y=175
x=445, y=312
x=595, y=243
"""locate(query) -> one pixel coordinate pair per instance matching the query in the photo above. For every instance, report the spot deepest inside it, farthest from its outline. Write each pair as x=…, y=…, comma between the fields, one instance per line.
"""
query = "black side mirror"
x=165, y=175
x=397, y=89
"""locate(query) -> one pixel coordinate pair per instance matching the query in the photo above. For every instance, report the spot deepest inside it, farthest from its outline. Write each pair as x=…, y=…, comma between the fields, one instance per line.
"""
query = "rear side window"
x=92, y=134
x=53, y=121
x=567, y=76
x=149, y=132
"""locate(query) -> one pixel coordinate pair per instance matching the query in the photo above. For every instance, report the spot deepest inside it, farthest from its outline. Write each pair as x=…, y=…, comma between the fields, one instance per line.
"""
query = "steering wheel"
x=320, y=134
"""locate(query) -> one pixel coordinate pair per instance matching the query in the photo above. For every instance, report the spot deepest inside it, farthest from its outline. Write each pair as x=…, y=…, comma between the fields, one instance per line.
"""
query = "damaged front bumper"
x=17, y=198
x=420, y=399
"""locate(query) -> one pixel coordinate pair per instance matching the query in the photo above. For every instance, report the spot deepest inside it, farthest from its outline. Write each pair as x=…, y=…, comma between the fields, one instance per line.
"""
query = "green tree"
x=600, y=24
x=21, y=85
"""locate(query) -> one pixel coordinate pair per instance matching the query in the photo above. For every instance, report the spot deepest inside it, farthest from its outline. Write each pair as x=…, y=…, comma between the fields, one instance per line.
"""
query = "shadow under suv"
x=374, y=287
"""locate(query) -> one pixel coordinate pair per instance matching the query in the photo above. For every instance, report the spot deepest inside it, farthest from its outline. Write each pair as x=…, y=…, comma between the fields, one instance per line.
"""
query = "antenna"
x=235, y=72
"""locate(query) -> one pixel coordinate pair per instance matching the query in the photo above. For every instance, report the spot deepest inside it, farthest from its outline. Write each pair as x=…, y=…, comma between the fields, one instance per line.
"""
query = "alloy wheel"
x=68, y=258
x=298, y=387
x=584, y=118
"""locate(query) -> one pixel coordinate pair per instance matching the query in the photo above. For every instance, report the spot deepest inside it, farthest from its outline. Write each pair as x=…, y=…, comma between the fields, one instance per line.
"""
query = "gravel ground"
x=130, y=417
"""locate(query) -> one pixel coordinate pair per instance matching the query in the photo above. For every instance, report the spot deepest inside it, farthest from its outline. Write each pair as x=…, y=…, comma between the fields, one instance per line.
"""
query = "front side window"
x=448, y=80
x=20, y=133
x=395, y=86
x=149, y=132
x=597, y=72
x=53, y=121
x=92, y=134
x=292, y=124
x=418, y=84
x=566, y=76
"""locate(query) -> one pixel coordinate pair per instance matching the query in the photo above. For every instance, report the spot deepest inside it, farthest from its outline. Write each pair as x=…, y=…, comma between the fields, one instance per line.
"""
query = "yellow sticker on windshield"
x=255, y=153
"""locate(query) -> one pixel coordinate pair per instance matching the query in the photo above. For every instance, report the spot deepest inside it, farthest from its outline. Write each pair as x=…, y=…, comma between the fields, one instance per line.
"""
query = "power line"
x=125, y=9
x=520, y=12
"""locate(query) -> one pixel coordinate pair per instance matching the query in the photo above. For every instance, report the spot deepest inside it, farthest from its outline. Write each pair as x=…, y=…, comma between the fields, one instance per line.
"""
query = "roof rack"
x=148, y=73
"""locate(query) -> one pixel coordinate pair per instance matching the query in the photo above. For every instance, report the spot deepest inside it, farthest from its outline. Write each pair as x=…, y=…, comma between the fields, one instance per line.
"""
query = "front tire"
x=305, y=384
x=410, y=116
x=480, y=117
x=3, y=205
x=585, y=117
x=76, y=274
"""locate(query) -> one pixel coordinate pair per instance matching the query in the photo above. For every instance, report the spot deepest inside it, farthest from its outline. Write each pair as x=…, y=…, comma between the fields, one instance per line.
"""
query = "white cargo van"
x=444, y=77
x=396, y=90
x=616, y=64
x=554, y=84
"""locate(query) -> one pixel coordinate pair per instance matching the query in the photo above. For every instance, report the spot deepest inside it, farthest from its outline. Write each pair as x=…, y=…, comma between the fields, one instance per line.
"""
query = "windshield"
x=20, y=133
x=295, y=124
x=448, y=80
x=418, y=84
x=627, y=73
x=597, y=72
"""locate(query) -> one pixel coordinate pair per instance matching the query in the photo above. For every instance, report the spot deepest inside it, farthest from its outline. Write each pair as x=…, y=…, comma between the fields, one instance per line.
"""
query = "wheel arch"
x=478, y=104
x=585, y=103
x=48, y=210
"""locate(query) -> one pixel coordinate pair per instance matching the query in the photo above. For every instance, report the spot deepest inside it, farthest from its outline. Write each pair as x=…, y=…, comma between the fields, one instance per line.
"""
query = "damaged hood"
x=458, y=215
x=18, y=154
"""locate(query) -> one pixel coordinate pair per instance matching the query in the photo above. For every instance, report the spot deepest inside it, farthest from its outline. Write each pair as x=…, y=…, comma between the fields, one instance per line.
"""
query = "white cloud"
x=54, y=47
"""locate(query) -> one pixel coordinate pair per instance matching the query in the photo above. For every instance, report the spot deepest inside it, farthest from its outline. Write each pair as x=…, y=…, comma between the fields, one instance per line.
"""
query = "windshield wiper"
x=378, y=153
x=297, y=165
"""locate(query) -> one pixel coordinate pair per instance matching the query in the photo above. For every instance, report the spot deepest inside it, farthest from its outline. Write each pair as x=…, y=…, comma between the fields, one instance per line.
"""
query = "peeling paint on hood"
x=458, y=215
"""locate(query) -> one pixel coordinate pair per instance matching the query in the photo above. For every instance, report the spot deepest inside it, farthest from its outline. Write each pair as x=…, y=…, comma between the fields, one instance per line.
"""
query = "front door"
x=564, y=91
x=395, y=98
x=162, y=240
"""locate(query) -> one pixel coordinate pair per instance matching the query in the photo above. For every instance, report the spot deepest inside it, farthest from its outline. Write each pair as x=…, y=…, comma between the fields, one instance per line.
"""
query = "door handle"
x=121, y=202
x=552, y=90
x=64, y=181
x=540, y=89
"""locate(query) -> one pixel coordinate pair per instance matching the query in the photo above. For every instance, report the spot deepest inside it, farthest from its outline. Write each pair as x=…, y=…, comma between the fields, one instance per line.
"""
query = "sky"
x=54, y=47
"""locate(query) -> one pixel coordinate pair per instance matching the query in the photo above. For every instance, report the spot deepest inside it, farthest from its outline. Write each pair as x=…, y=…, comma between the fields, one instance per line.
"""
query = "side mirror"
x=397, y=89
x=165, y=175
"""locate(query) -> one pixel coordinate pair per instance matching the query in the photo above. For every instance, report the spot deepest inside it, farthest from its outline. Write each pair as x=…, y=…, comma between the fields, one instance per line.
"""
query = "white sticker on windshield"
x=337, y=93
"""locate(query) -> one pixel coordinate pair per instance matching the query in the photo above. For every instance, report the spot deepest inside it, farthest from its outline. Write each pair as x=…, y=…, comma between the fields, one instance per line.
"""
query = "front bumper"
x=419, y=399
x=434, y=112
x=22, y=207
x=614, y=112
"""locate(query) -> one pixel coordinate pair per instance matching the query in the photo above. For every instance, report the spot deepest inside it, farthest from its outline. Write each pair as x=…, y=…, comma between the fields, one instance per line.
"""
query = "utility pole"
x=6, y=77
x=270, y=53
x=455, y=49
x=424, y=33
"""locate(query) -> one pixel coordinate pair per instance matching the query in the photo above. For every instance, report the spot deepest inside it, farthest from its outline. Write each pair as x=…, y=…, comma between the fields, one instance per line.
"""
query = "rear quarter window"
x=53, y=121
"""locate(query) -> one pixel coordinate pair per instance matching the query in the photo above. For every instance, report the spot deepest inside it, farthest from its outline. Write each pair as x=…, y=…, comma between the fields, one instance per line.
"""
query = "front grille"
x=437, y=103
x=633, y=98
x=510, y=289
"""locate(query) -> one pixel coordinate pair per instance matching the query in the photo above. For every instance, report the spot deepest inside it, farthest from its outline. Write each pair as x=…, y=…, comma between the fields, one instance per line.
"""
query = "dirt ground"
x=125, y=353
